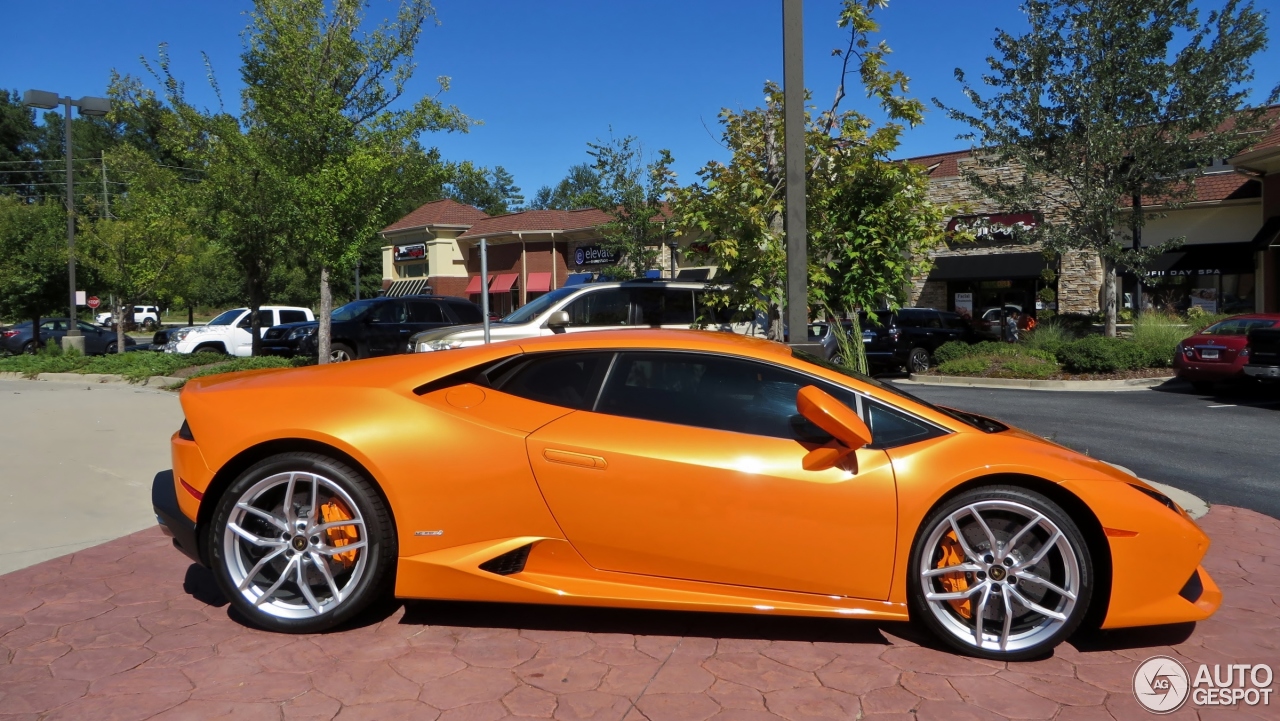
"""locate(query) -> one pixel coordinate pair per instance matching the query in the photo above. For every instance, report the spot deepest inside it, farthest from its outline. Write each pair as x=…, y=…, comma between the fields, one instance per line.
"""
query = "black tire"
x=148, y=324
x=947, y=620
x=375, y=577
x=918, y=360
x=341, y=353
x=30, y=347
x=211, y=348
x=111, y=348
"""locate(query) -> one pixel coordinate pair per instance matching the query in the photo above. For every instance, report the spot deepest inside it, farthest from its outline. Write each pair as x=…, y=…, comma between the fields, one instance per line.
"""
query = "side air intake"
x=509, y=562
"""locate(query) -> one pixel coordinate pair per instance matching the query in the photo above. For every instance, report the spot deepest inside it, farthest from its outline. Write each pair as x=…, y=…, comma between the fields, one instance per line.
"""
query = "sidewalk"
x=130, y=630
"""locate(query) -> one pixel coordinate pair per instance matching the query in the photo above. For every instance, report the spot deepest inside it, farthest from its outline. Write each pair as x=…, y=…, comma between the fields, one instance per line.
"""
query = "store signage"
x=964, y=304
x=997, y=226
x=417, y=251
x=594, y=255
x=1194, y=271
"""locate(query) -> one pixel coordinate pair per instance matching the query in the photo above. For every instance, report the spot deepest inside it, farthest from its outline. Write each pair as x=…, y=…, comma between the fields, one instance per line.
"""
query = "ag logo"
x=1161, y=684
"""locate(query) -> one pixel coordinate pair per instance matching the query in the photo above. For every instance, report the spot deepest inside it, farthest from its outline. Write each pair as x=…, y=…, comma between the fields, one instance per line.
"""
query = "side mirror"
x=848, y=430
x=558, y=320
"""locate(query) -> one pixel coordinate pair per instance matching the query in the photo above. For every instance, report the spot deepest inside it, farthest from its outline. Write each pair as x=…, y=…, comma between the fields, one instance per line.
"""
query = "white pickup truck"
x=230, y=332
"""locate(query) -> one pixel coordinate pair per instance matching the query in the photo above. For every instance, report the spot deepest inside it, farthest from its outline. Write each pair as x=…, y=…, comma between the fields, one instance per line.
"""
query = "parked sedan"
x=373, y=327
x=1215, y=354
x=97, y=341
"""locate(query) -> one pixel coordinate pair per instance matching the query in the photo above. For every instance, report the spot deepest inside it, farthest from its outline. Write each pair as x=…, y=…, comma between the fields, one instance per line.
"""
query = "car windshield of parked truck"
x=228, y=317
x=535, y=308
x=351, y=310
x=1237, y=326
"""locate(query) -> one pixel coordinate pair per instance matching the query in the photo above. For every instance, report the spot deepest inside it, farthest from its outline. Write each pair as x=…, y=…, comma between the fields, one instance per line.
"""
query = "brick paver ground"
x=129, y=630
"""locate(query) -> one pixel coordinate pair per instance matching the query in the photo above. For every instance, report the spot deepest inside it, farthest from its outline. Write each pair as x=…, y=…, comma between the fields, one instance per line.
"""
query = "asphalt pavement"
x=1224, y=447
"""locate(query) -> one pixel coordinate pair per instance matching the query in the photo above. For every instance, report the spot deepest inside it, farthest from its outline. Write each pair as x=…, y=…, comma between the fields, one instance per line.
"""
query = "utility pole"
x=106, y=204
x=797, y=315
x=484, y=286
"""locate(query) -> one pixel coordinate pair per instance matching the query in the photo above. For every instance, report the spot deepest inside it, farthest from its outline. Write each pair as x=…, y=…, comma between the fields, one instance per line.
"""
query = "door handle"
x=570, y=458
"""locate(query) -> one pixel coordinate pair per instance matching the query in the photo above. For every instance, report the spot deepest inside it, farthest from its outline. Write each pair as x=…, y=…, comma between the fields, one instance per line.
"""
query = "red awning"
x=504, y=282
x=474, y=286
x=539, y=283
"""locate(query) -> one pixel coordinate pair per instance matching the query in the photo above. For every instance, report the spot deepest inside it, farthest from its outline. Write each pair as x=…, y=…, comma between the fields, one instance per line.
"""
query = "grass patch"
x=138, y=365
x=1000, y=360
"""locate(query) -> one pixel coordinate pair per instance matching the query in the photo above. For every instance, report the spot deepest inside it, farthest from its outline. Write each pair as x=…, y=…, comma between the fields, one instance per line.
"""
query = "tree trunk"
x=255, y=304
x=35, y=330
x=1109, y=296
x=326, y=309
x=120, y=320
x=191, y=315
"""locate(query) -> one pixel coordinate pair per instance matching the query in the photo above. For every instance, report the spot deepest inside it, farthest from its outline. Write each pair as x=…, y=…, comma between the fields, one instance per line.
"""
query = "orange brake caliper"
x=339, y=536
x=953, y=555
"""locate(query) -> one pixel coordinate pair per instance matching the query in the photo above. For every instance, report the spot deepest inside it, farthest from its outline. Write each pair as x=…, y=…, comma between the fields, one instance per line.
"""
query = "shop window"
x=413, y=270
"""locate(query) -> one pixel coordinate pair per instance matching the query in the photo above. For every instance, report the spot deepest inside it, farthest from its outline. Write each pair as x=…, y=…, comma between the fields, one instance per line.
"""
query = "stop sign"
x=93, y=301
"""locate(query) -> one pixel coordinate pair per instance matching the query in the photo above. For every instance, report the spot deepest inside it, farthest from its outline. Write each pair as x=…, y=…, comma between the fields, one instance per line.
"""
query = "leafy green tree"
x=580, y=188
x=633, y=192
x=493, y=191
x=17, y=146
x=33, y=259
x=870, y=225
x=319, y=89
x=1102, y=103
x=145, y=235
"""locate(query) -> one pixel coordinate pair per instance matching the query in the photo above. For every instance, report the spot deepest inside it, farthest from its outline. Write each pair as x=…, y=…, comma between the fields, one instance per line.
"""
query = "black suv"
x=906, y=338
x=373, y=327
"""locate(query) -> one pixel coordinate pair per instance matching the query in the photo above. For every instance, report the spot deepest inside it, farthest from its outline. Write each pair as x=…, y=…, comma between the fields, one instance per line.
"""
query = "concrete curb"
x=93, y=379
x=1130, y=384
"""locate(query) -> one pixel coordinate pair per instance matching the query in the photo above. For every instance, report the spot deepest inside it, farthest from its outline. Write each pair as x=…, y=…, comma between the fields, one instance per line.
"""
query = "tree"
x=493, y=191
x=17, y=146
x=580, y=188
x=1103, y=103
x=33, y=259
x=633, y=192
x=319, y=90
x=870, y=225
x=137, y=245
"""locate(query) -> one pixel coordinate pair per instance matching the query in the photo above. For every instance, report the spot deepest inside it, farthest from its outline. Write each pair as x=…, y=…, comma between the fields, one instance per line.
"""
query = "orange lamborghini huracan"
x=668, y=470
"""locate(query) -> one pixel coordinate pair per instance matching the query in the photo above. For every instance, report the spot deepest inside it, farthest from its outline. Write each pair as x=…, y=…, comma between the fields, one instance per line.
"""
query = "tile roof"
x=941, y=165
x=538, y=220
x=439, y=212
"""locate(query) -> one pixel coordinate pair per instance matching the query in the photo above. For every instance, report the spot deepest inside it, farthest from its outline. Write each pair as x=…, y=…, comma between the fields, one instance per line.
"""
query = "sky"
x=547, y=77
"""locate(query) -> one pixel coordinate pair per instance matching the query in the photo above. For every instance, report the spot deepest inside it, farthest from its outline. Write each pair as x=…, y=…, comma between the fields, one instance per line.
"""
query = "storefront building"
x=530, y=253
x=1226, y=264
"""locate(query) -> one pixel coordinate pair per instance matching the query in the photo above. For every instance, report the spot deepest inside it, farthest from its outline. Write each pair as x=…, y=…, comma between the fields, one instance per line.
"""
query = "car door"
x=382, y=332
x=600, y=309
x=52, y=331
x=689, y=467
x=95, y=338
x=241, y=340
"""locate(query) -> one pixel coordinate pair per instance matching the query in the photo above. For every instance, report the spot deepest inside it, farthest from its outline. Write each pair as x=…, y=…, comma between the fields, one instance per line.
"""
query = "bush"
x=1002, y=360
x=1026, y=369
x=964, y=367
x=134, y=366
x=952, y=350
x=1049, y=336
x=1098, y=354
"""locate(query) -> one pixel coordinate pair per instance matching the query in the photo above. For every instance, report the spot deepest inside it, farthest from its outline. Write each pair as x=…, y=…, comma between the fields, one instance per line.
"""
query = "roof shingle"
x=439, y=212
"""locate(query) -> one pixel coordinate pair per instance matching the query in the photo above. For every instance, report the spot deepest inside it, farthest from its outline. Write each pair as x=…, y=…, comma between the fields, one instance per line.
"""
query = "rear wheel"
x=30, y=347
x=1000, y=572
x=111, y=348
x=301, y=542
x=918, y=360
x=341, y=353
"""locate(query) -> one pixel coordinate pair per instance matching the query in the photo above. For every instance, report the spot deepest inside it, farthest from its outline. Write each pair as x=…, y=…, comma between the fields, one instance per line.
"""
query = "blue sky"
x=546, y=77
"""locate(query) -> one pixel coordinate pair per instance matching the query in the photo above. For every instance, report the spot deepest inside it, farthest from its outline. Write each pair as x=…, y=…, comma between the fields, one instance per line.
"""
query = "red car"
x=1216, y=353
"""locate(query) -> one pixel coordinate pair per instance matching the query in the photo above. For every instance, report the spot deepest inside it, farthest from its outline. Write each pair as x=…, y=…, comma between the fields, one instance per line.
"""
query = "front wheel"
x=300, y=543
x=1000, y=572
x=111, y=348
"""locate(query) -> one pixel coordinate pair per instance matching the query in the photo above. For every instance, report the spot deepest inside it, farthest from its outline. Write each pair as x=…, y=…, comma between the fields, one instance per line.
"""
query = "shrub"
x=952, y=350
x=1098, y=354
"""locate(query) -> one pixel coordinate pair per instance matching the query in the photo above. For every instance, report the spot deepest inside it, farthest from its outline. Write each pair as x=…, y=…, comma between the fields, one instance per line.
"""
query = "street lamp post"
x=793, y=144
x=672, y=245
x=89, y=106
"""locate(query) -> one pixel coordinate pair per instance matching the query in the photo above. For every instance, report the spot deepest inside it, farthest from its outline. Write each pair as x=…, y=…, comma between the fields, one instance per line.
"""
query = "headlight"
x=444, y=344
x=1158, y=497
x=305, y=331
x=178, y=335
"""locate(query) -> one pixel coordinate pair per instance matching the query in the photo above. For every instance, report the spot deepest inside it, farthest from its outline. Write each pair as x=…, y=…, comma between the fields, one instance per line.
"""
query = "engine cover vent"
x=509, y=562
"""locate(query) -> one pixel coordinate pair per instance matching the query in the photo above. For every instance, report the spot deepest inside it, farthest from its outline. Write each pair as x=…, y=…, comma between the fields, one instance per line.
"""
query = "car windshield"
x=1237, y=326
x=352, y=310
x=982, y=424
x=535, y=308
x=228, y=317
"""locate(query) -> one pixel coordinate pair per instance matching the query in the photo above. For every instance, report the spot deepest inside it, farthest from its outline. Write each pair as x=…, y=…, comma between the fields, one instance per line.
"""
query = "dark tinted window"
x=918, y=319
x=292, y=316
x=390, y=312
x=467, y=312
x=424, y=311
x=953, y=321
x=664, y=306
x=265, y=319
x=691, y=389
x=891, y=428
x=567, y=380
x=601, y=308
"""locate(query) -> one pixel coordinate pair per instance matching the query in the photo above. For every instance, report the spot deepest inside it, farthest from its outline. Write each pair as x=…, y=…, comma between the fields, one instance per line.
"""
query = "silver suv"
x=594, y=306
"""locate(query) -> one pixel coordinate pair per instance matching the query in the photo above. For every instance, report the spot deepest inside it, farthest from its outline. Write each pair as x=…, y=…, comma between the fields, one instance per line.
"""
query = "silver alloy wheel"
x=339, y=355
x=279, y=551
x=919, y=361
x=1019, y=575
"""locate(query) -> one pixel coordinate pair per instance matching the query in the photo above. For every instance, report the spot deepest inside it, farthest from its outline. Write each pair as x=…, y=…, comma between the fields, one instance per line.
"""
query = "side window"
x=891, y=428
x=246, y=321
x=292, y=316
x=664, y=306
x=52, y=325
x=467, y=312
x=424, y=311
x=932, y=320
x=953, y=321
x=719, y=316
x=392, y=312
x=692, y=389
x=601, y=308
x=560, y=379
